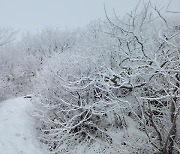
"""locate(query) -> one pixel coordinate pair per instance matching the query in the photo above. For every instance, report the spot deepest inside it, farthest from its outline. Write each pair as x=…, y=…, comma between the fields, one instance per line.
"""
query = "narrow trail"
x=17, y=134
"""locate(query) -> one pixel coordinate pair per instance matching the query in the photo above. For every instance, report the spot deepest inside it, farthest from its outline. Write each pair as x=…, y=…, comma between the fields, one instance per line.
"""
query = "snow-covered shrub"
x=120, y=78
x=77, y=104
x=150, y=57
x=17, y=73
x=21, y=61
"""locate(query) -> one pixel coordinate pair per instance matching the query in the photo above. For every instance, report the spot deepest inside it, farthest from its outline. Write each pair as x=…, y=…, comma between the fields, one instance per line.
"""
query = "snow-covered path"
x=16, y=128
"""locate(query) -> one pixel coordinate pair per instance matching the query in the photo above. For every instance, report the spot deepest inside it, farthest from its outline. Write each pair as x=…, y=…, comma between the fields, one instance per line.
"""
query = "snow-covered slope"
x=17, y=134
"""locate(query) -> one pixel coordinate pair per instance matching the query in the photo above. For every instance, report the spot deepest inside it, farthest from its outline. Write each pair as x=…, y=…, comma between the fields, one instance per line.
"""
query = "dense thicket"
x=113, y=87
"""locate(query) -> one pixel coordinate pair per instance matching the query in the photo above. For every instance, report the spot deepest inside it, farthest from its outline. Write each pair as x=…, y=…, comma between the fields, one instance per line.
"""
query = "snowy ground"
x=16, y=128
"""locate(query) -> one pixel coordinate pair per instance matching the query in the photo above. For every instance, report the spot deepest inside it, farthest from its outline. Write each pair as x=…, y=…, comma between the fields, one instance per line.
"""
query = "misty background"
x=34, y=15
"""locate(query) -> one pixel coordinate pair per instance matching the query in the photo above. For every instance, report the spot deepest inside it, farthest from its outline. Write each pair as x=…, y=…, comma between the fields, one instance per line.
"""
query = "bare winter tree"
x=150, y=56
x=6, y=35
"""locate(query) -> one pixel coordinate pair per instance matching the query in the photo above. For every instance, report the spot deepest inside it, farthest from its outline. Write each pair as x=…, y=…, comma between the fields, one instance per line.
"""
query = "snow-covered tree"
x=149, y=52
x=121, y=77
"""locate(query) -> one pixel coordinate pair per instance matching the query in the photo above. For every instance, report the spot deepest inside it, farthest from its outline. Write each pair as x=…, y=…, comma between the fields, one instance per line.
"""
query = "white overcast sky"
x=33, y=15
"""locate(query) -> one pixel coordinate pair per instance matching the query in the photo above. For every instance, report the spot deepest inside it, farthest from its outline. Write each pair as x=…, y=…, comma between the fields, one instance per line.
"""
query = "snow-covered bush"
x=77, y=106
x=150, y=57
x=22, y=60
x=17, y=74
x=120, y=79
